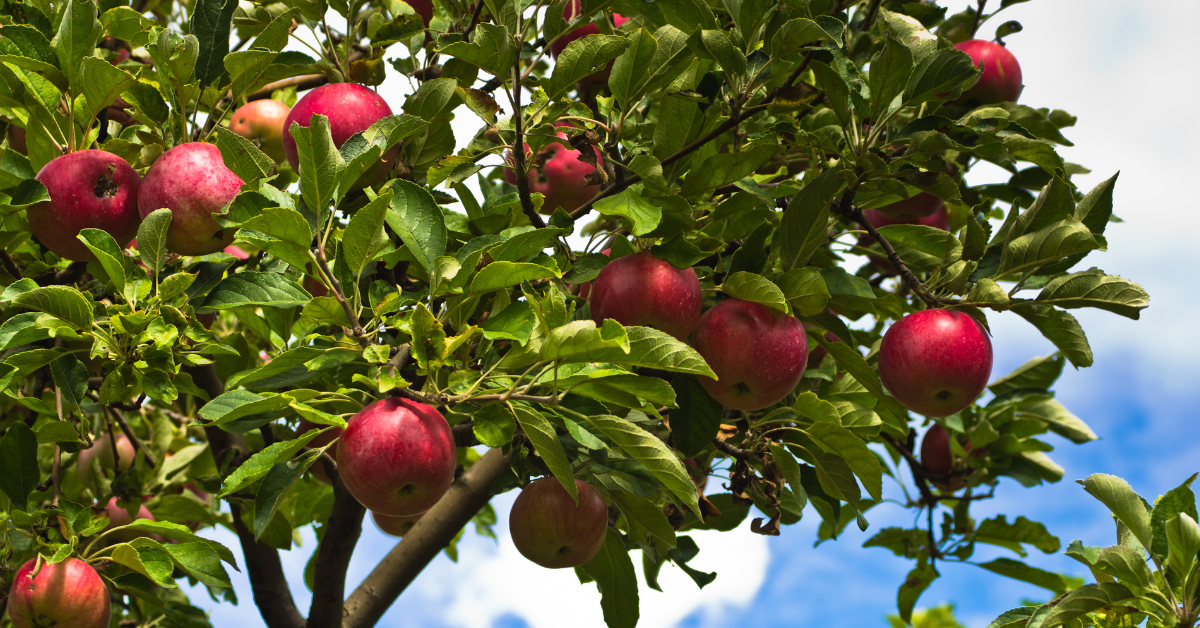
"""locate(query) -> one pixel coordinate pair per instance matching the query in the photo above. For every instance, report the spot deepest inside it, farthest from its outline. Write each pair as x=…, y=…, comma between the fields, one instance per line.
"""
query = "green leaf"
x=642, y=215
x=148, y=559
x=725, y=168
x=1127, y=506
x=644, y=514
x=277, y=482
x=836, y=90
x=494, y=425
x=1179, y=500
x=626, y=390
x=235, y=404
x=152, y=239
x=791, y=472
x=794, y=35
x=888, y=408
x=1018, y=570
x=1125, y=564
x=417, y=219
x=649, y=347
x=629, y=70
x=998, y=531
x=499, y=275
x=890, y=68
x=583, y=337
x=261, y=463
x=364, y=237
x=1097, y=207
x=1183, y=539
x=716, y=45
x=805, y=291
x=1093, y=288
x=76, y=39
x=1060, y=420
x=646, y=448
x=935, y=244
x=108, y=253
x=865, y=464
x=363, y=150
x=545, y=442
x=102, y=83
x=210, y=23
x=938, y=74
x=71, y=377
x=491, y=49
x=696, y=422
x=1038, y=152
x=1060, y=328
x=914, y=585
x=1038, y=373
x=1080, y=602
x=256, y=289
x=242, y=156
x=756, y=288
x=63, y=302
x=428, y=339
x=805, y=223
x=19, y=473
x=612, y=569
x=321, y=164
x=1049, y=244
x=582, y=58
x=201, y=561
x=177, y=532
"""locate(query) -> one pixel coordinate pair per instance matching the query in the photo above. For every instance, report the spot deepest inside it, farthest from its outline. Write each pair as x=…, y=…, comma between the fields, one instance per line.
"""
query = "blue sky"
x=1113, y=64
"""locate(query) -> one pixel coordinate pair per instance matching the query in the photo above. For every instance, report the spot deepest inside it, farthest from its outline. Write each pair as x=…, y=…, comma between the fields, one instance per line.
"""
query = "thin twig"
x=519, y=157
x=133, y=438
x=918, y=288
x=356, y=329
x=10, y=265
x=730, y=450
x=978, y=17
x=871, y=13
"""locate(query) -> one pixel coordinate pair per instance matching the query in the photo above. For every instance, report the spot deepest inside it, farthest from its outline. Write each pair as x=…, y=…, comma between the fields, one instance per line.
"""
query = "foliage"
x=742, y=139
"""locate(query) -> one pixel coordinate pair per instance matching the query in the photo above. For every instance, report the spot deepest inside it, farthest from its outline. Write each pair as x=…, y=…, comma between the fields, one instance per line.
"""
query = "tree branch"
x=519, y=156
x=65, y=277
x=137, y=442
x=432, y=532
x=333, y=554
x=356, y=329
x=10, y=265
x=848, y=210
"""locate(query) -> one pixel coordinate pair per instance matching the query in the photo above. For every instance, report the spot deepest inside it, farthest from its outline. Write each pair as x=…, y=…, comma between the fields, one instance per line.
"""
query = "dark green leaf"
x=19, y=473
x=695, y=423
x=417, y=219
x=256, y=289
x=210, y=23
x=806, y=220
x=613, y=572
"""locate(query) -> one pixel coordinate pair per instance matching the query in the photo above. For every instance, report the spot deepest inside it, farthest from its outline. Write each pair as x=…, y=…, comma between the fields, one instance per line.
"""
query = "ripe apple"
x=318, y=467
x=88, y=189
x=395, y=526
x=192, y=181
x=935, y=362
x=758, y=353
x=917, y=206
x=69, y=593
x=261, y=121
x=643, y=290
x=1001, y=80
x=550, y=529
x=351, y=108
x=937, y=457
x=560, y=175
x=118, y=516
x=102, y=451
x=237, y=252
x=397, y=457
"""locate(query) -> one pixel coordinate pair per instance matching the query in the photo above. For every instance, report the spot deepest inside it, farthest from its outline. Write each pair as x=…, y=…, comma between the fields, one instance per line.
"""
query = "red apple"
x=192, y=181
x=559, y=175
x=397, y=457
x=935, y=362
x=88, y=189
x=395, y=526
x=69, y=593
x=550, y=529
x=102, y=451
x=643, y=290
x=1001, y=80
x=318, y=467
x=351, y=108
x=938, y=458
x=758, y=353
x=261, y=121
x=917, y=206
x=423, y=8
x=237, y=252
x=118, y=516
x=315, y=287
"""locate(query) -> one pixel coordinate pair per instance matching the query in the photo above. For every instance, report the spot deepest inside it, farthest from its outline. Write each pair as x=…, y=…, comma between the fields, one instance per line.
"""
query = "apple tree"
x=699, y=263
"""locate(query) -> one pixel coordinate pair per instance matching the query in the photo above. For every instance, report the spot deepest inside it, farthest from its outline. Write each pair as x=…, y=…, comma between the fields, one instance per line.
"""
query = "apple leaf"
x=922, y=245
x=1060, y=420
x=651, y=348
x=626, y=390
x=632, y=67
x=261, y=463
x=725, y=168
x=417, y=219
x=278, y=481
x=109, y=254
x=201, y=561
x=914, y=585
x=71, y=377
x=838, y=440
x=152, y=239
x=76, y=39
x=1080, y=602
x=321, y=164
x=493, y=425
x=19, y=472
x=242, y=156
x=756, y=288
x=101, y=83
x=256, y=289
x=612, y=569
x=210, y=22
x=805, y=222
x=696, y=423
x=647, y=518
x=491, y=49
x=63, y=302
x=149, y=559
x=1179, y=500
x=646, y=448
x=642, y=215
x=499, y=275
x=804, y=289
x=583, y=337
x=1093, y=288
x=937, y=75
x=890, y=410
x=364, y=237
x=542, y=436
x=1096, y=207
x=794, y=35
x=791, y=472
x=1127, y=506
x=582, y=58
x=1049, y=244
x=177, y=532
x=890, y=69
x=1060, y=328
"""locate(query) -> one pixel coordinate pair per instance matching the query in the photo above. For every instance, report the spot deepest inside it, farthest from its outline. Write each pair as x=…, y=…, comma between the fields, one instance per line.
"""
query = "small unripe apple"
x=1001, y=79
x=395, y=526
x=261, y=121
x=757, y=352
x=88, y=189
x=102, y=451
x=550, y=529
x=559, y=175
x=917, y=206
x=397, y=457
x=69, y=593
x=318, y=467
x=646, y=291
x=351, y=108
x=193, y=182
x=935, y=362
x=118, y=516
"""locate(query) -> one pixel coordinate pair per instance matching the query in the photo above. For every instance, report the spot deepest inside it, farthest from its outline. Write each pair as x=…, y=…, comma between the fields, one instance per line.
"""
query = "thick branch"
x=65, y=277
x=432, y=532
x=333, y=555
x=730, y=450
x=10, y=265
